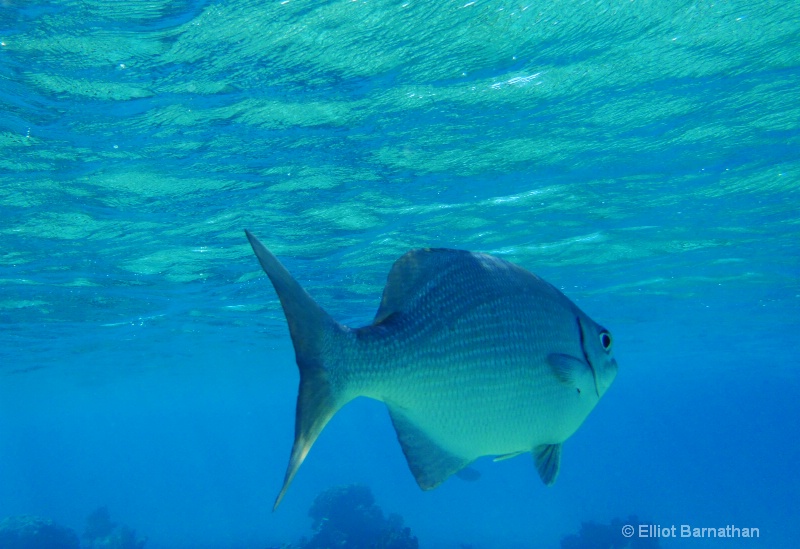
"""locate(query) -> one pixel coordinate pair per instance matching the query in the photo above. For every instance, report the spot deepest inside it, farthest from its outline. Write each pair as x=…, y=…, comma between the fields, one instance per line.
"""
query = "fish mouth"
x=612, y=366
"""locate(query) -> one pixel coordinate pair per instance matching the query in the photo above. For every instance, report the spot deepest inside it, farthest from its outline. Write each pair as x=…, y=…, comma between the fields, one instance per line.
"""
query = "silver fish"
x=472, y=355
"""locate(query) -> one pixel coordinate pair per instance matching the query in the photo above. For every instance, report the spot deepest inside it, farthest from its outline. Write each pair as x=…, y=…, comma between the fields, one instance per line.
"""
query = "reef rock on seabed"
x=101, y=533
x=26, y=532
x=346, y=516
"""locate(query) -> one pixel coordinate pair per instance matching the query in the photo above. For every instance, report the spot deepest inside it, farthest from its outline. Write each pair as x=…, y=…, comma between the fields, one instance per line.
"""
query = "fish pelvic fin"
x=548, y=462
x=508, y=456
x=312, y=331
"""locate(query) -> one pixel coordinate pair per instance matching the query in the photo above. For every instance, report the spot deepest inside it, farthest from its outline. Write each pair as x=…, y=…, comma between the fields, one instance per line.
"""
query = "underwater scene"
x=516, y=275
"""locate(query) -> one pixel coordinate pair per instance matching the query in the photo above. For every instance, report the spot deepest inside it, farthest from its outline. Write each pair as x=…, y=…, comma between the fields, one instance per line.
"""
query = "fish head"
x=597, y=344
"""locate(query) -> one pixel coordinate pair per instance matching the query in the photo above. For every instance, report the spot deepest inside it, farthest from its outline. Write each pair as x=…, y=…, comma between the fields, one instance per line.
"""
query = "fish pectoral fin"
x=429, y=462
x=548, y=461
x=567, y=368
x=508, y=456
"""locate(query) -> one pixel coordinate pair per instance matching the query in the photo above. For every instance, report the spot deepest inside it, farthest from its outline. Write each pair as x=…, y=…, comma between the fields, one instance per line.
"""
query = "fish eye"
x=605, y=341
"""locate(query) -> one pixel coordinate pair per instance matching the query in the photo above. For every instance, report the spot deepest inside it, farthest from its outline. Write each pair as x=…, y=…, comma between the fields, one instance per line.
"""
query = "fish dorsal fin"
x=453, y=281
x=548, y=461
x=410, y=274
x=429, y=463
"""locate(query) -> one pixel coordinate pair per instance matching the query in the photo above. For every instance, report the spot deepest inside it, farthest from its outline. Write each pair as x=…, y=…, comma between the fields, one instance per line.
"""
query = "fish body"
x=472, y=355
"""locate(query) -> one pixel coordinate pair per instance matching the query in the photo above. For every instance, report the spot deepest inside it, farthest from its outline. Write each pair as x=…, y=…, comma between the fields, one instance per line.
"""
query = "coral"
x=101, y=533
x=346, y=516
x=26, y=532
x=607, y=536
x=98, y=524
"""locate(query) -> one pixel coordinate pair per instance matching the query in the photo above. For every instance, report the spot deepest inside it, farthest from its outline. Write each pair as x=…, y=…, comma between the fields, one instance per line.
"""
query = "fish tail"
x=311, y=329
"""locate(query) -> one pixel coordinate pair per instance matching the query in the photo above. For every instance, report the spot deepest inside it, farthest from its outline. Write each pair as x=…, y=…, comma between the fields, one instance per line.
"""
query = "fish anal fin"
x=509, y=456
x=548, y=461
x=567, y=368
x=429, y=462
x=470, y=474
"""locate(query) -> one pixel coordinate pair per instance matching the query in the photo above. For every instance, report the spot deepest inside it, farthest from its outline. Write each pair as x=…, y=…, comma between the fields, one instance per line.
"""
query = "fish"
x=472, y=355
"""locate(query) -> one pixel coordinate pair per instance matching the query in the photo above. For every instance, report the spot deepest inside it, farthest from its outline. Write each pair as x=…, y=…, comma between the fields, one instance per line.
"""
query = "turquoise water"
x=643, y=156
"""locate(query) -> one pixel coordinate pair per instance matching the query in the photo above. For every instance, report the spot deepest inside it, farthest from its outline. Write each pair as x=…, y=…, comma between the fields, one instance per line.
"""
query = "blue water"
x=644, y=157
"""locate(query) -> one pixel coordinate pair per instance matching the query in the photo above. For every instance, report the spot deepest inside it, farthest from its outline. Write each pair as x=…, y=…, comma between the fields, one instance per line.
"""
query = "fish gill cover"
x=641, y=156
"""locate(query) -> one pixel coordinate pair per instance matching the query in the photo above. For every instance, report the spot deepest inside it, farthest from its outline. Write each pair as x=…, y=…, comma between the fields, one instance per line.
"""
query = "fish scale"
x=487, y=384
x=472, y=355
